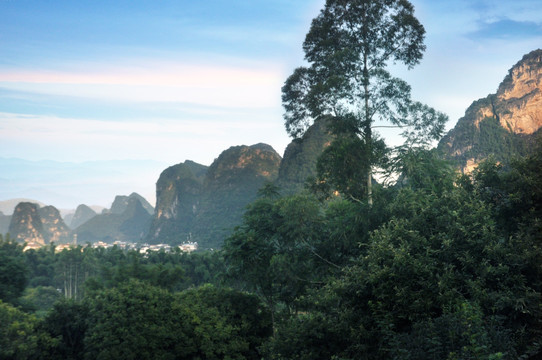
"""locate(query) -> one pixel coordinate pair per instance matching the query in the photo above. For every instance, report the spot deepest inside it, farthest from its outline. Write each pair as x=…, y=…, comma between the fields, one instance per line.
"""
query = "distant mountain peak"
x=83, y=213
x=26, y=225
x=127, y=220
x=203, y=203
x=121, y=203
x=8, y=206
x=259, y=160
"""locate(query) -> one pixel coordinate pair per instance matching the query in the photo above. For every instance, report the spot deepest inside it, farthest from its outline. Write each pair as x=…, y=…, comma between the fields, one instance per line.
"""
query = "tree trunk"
x=368, y=130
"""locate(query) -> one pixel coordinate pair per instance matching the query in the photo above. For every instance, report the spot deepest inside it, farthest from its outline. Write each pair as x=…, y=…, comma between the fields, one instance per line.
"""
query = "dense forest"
x=441, y=266
x=424, y=263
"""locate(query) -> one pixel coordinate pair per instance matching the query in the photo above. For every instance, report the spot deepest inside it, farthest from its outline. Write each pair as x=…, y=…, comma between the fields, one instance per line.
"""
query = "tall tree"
x=349, y=46
x=13, y=270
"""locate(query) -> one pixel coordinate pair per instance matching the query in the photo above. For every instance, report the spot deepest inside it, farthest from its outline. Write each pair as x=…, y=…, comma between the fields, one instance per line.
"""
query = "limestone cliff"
x=53, y=227
x=199, y=203
x=503, y=124
x=178, y=197
x=26, y=225
x=300, y=157
x=232, y=182
x=258, y=161
x=518, y=103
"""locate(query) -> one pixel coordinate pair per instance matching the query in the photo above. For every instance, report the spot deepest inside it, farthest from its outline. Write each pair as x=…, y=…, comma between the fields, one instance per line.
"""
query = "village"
x=187, y=247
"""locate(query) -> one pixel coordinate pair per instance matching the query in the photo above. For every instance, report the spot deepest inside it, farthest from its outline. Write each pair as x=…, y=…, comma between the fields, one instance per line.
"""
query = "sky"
x=157, y=82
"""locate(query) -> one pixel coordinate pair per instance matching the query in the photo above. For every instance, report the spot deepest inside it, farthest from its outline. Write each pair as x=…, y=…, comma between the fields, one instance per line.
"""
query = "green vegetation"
x=203, y=204
x=349, y=47
x=13, y=270
x=128, y=222
x=485, y=139
x=432, y=265
x=440, y=266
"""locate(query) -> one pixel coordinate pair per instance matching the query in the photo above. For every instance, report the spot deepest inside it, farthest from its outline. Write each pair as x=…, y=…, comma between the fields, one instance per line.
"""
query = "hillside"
x=127, y=220
x=178, y=196
x=54, y=228
x=203, y=204
x=501, y=125
x=26, y=225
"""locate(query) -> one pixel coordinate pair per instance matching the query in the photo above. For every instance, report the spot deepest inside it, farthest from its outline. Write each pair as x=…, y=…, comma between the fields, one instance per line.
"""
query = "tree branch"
x=391, y=126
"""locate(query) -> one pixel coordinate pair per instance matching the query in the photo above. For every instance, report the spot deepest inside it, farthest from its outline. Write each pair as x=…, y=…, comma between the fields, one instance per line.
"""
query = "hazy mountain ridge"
x=504, y=124
x=121, y=203
x=129, y=225
x=83, y=213
x=128, y=220
x=4, y=222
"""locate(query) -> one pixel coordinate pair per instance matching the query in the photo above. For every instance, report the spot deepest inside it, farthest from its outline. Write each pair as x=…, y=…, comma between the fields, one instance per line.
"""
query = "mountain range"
x=127, y=220
x=202, y=203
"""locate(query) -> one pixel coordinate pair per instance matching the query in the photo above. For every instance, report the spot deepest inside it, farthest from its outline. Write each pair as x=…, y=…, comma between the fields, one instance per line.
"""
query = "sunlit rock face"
x=53, y=227
x=519, y=98
x=26, y=225
x=504, y=124
x=243, y=163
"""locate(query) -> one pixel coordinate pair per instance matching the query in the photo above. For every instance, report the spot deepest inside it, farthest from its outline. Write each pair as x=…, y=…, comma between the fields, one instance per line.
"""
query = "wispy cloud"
x=213, y=85
x=507, y=29
x=42, y=137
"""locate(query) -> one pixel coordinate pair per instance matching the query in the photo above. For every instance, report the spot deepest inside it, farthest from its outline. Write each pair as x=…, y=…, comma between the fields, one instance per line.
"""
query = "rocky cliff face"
x=26, y=225
x=232, y=182
x=203, y=204
x=243, y=163
x=53, y=227
x=503, y=124
x=518, y=103
x=300, y=157
x=178, y=198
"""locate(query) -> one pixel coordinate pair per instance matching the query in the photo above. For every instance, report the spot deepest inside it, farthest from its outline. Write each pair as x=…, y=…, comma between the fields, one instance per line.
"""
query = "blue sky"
x=85, y=81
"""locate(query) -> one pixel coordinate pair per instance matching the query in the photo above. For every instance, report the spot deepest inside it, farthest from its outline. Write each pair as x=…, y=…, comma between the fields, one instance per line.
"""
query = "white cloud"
x=253, y=86
x=50, y=137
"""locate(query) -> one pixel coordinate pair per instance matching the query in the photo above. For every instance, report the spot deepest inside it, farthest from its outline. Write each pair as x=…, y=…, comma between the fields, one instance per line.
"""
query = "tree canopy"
x=349, y=47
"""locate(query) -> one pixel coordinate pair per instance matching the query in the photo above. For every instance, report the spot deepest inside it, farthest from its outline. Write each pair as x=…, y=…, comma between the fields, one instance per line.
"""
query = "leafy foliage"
x=433, y=269
x=19, y=335
x=348, y=47
x=13, y=270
